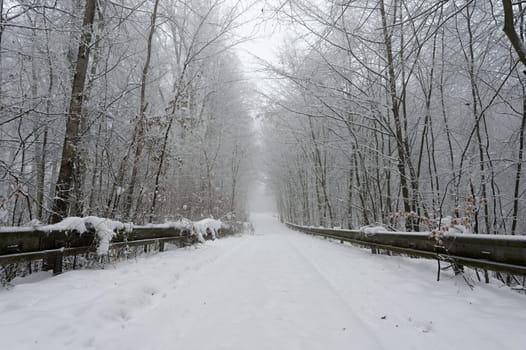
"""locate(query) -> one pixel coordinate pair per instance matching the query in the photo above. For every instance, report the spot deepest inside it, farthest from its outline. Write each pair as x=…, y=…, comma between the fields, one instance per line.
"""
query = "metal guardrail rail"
x=28, y=244
x=501, y=253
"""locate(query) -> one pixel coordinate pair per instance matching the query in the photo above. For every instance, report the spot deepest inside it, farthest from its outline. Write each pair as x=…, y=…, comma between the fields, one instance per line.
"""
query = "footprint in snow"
x=150, y=290
x=12, y=307
x=123, y=314
x=425, y=327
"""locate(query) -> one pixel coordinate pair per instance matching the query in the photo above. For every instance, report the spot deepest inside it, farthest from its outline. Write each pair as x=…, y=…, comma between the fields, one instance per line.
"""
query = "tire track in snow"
x=407, y=325
x=259, y=295
x=330, y=285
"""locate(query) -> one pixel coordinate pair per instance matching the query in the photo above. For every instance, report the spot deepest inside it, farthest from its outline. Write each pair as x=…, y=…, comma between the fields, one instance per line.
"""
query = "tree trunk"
x=139, y=127
x=518, y=173
x=37, y=125
x=477, y=116
x=396, y=116
x=509, y=30
x=2, y=27
x=67, y=182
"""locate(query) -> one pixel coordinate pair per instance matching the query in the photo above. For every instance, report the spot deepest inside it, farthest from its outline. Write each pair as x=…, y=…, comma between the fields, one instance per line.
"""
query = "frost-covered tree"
x=413, y=110
x=102, y=105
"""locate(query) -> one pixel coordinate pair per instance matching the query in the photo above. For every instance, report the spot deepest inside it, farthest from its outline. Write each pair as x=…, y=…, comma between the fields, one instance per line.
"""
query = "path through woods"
x=277, y=289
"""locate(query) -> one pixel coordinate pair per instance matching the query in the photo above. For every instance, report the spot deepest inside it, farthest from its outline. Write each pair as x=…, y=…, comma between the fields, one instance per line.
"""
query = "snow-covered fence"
x=94, y=238
x=501, y=253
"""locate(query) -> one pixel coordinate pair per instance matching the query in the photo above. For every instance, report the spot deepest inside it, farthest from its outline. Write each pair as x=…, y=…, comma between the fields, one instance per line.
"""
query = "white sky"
x=264, y=39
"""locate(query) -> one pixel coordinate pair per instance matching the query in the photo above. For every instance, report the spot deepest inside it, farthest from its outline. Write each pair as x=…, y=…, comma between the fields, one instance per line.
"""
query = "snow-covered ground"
x=277, y=289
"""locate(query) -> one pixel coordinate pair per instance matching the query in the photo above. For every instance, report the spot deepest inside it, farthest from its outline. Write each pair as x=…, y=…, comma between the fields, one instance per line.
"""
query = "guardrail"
x=500, y=253
x=21, y=245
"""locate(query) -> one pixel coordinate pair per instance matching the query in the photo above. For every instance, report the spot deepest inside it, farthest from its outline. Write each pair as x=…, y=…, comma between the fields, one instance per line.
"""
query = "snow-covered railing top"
x=494, y=252
x=75, y=235
x=376, y=230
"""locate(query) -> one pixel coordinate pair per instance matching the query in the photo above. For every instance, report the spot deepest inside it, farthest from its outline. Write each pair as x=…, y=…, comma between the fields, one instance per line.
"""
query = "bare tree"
x=68, y=178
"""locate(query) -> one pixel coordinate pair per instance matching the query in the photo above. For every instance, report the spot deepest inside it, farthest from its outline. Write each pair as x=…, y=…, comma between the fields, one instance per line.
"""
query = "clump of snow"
x=248, y=228
x=33, y=223
x=438, y=236
x=104, y=229
x=120, y=190
x=451, y=225
x=372, y=229
x=72, y=223
x=182, y=224
x=201, y=228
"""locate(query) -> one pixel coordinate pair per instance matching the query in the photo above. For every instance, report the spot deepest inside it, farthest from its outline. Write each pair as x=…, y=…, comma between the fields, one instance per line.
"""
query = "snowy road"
x=277, y=289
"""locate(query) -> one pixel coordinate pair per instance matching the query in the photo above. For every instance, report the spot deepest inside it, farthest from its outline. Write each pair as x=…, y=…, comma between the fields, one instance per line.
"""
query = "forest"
x=406, y=113
x=401, y=112
x=133, y=110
